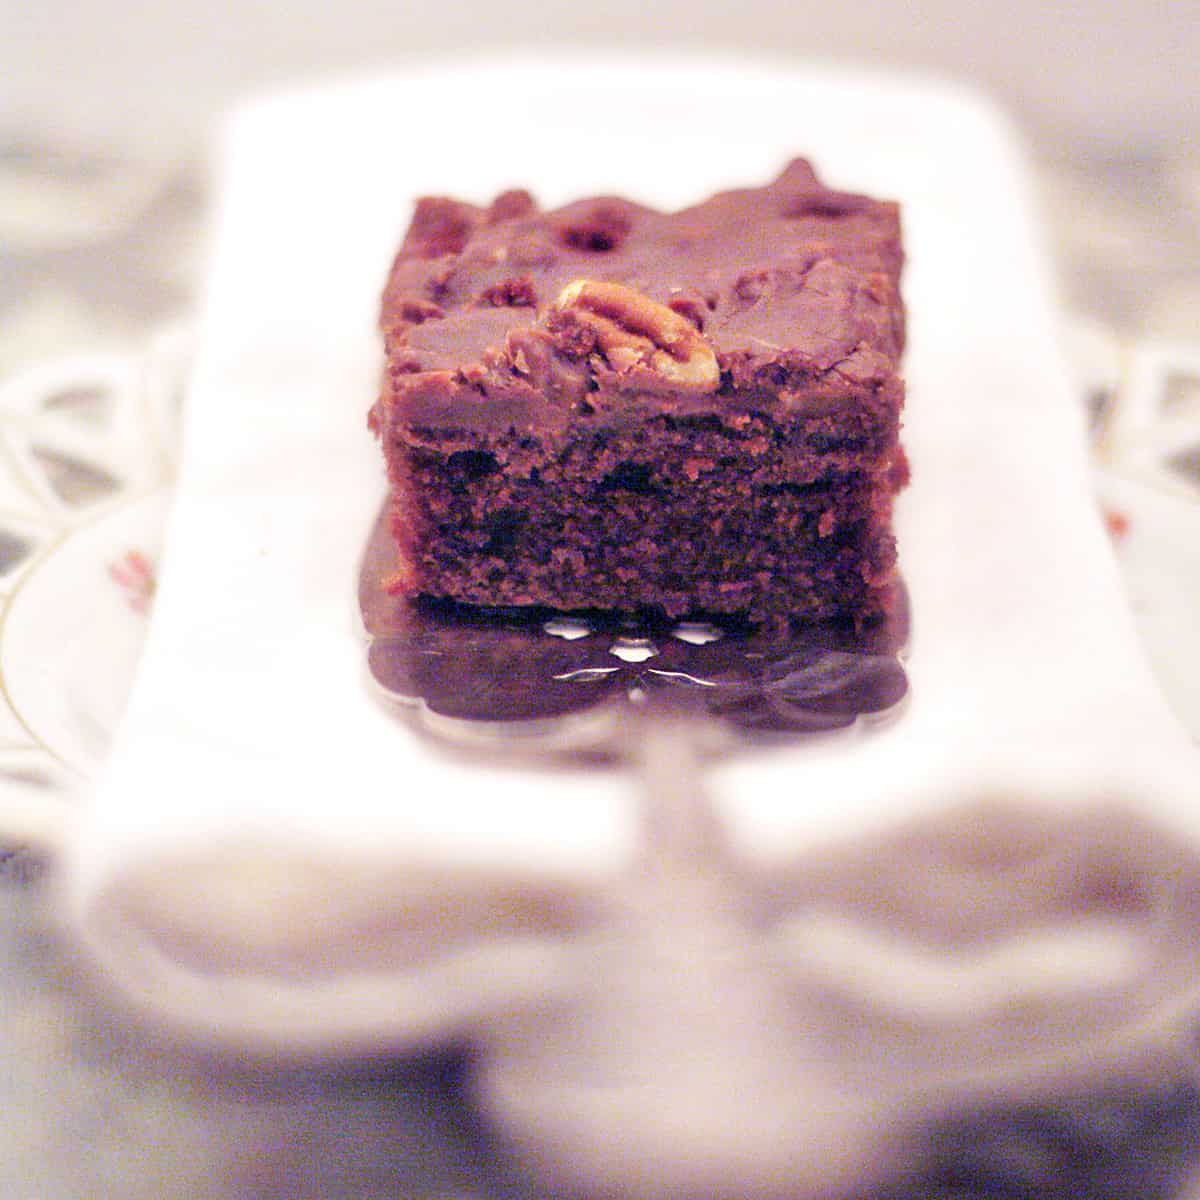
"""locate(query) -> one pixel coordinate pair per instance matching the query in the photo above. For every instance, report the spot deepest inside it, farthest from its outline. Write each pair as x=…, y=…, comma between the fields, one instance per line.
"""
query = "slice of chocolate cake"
x=608, y=407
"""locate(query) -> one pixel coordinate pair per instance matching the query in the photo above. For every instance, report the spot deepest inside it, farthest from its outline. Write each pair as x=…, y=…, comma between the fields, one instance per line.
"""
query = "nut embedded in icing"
x=631, y=330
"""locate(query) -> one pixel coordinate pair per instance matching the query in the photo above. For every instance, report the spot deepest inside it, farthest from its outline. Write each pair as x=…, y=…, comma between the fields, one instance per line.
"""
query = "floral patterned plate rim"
x=87, y=457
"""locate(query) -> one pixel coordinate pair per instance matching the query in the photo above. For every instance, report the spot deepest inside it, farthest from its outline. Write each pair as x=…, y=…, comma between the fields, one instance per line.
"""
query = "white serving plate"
x=249, y=711
x=271, y=856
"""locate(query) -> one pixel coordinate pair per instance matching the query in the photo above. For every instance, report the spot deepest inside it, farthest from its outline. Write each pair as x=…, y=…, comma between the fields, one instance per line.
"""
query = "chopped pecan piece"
x=631, y=330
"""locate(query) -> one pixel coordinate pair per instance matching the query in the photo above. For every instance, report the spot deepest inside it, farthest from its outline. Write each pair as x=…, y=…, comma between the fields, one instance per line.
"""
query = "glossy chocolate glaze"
x=795, y=287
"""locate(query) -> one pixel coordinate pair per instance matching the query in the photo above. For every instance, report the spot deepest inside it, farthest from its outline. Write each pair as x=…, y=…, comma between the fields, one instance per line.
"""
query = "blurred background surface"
x=1111, y=74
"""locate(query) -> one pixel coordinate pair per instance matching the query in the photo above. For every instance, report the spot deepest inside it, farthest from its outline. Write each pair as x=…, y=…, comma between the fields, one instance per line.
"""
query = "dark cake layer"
x=681, y=513
x=611, y=407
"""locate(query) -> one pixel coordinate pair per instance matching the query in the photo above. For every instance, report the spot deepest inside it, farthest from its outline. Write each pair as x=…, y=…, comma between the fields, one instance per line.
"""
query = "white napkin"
x=272, y=855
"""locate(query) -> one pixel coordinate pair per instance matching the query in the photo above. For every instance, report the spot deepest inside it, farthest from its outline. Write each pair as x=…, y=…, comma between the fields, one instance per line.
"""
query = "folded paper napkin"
x=272, y=855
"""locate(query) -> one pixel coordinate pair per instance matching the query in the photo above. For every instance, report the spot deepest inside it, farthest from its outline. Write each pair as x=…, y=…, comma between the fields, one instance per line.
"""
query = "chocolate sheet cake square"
x=609, y=407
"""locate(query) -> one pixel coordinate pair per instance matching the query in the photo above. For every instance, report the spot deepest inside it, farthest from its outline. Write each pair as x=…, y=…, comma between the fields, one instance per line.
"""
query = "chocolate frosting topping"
x=793, y=287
